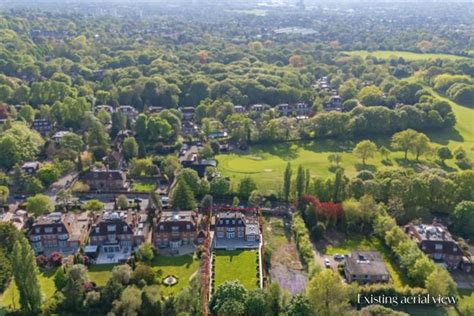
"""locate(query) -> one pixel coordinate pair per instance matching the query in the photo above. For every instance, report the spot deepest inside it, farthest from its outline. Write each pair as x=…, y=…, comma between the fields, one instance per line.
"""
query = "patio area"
x=177, y=251
x=113, y=254
x=235, y=243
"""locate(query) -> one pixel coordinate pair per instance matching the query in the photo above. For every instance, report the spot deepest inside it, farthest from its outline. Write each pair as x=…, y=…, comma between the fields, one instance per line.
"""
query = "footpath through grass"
x=239, y=265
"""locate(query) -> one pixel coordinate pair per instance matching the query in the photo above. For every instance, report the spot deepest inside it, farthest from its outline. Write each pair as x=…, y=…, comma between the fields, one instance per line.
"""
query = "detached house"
x=436, y=242
x=59, y=232
x=189, y=158
x=106, y=180
x=365, y=267
x=301, y=109
x=188, y=113
x=31, y=167
x=176, y=228
x=129, y=112
x=115, y=234
x=239, y=109
x=42, y=126
x=241, y=230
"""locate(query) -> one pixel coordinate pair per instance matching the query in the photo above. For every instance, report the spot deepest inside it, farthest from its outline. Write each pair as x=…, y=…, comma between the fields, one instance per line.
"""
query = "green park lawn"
x=10, y=298
x=364, y=243
x=100, y=273
x=236, y=265
x=266, y=163
x=182, y=267
x=386, y=54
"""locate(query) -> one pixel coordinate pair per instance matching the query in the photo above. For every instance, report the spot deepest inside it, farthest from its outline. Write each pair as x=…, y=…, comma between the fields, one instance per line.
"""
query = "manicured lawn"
x=182, y=267
x=11, y=297
x=384, y=54
x=364, y=243
x=236, y=265
x=100, y=273
x=143, y=187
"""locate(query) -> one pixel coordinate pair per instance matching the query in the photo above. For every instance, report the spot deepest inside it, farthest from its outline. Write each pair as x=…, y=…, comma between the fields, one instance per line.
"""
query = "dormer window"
x=455, y=249
x=60, y=229
x=175, y=228
x=162, y=227
x=439, y=246
x=188, y=226
x=125, y=228
x=111, y=228
x=37, y=230
x=48, y=230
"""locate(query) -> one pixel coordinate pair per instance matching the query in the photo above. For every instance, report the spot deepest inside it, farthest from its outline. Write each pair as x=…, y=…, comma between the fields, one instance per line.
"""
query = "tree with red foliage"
x=41, y=261
x=331, y=211
x=306, y=200
x=56, y=259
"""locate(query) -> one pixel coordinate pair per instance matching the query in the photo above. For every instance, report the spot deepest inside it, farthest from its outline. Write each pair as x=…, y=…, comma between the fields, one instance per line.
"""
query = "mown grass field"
x=384, y=54
x=11, y=297
x=101, y=273
x=266, y=163
x=182, y=267
x=236, y=265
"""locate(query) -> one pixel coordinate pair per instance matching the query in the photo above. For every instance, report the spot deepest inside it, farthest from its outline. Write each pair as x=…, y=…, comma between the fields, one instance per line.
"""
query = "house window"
x=230, y=229
x=162, y=227
x=233, y=222
x=60, y=229
x=230, y=235
x=125, y=227
x=240, y=234
x=354, y=276
x=174, y=228
x=438, y=246
x=423, y=247
x=366, y=276
x=37, y=230
x=97, y=230
x=220, y=234
x=188, y=226
x=455, y=249
x=111, y=228
x=227, y=222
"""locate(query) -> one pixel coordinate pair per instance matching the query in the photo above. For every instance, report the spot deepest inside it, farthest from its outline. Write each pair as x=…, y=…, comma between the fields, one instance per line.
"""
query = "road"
x=62, y=183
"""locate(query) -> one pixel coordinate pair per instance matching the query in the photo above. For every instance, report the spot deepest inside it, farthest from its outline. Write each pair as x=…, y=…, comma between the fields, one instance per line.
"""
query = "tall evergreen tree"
x=287, y=182
x=338, y=195
x=183, y=197
x=25, y=272
x=300, y=181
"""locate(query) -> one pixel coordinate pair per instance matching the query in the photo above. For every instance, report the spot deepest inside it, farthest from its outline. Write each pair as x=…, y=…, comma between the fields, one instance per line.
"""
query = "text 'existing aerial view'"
x=236, y=158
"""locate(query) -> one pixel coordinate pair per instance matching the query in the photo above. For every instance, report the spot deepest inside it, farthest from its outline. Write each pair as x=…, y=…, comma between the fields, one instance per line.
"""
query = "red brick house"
x=176, y=228
x=63, y=233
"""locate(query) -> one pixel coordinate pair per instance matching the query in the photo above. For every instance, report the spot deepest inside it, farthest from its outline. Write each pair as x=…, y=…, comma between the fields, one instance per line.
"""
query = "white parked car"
x=327, y=263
